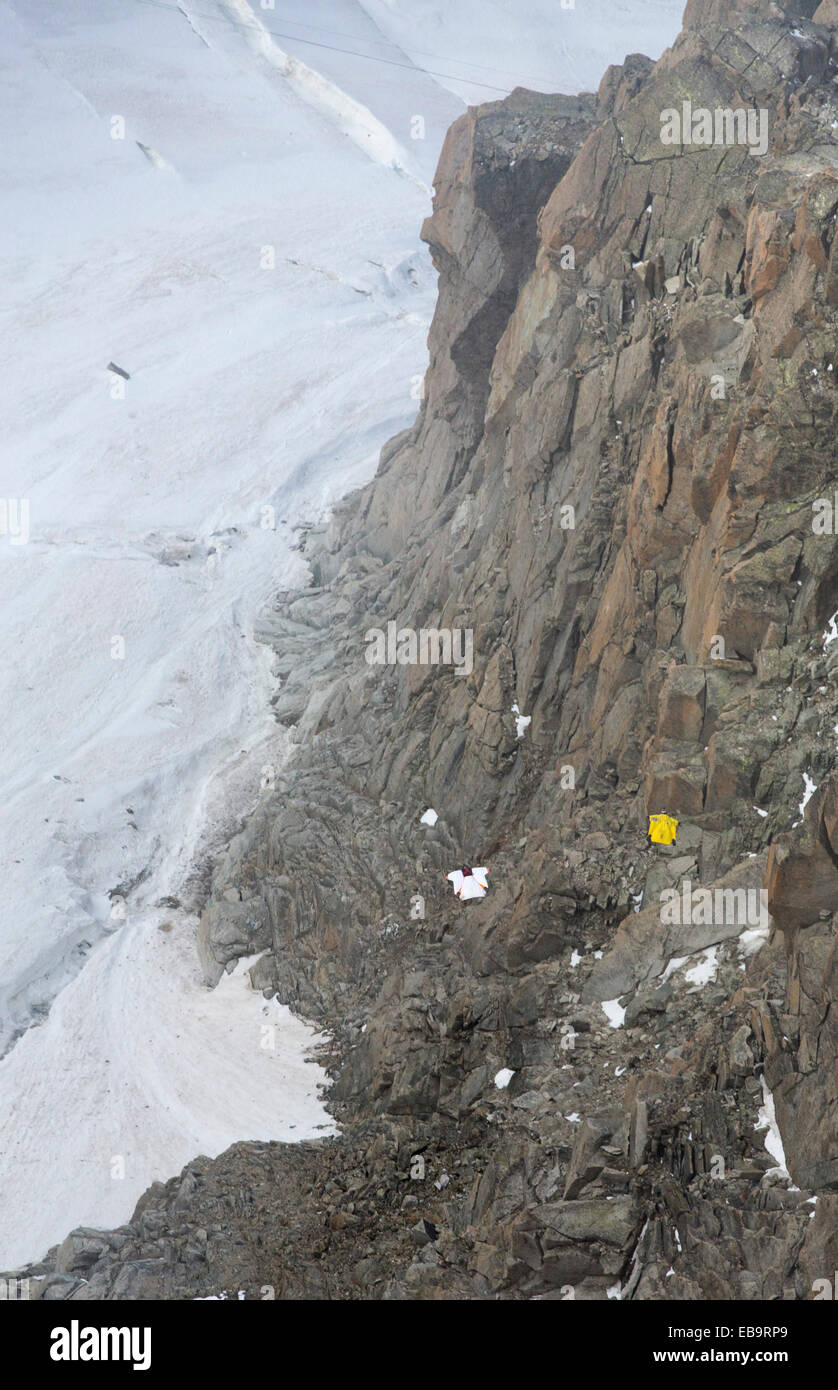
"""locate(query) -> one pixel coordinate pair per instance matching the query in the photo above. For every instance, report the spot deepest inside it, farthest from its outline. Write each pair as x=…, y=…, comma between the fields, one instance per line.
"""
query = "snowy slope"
x=483, y=48
x=248, y=253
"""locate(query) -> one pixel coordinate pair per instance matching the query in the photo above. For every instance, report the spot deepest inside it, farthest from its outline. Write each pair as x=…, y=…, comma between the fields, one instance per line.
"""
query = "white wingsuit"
x=471, y=885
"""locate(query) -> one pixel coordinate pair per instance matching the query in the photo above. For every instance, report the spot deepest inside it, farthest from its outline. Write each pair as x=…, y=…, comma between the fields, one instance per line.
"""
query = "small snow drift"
x=809, y=789
x=522, y=721
x=614, y=1012
x=767, y=1120
x=469, y=883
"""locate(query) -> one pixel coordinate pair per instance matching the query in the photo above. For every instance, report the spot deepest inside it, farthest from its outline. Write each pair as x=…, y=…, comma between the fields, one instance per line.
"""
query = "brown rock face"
x=802, y=872
x=803, y=1072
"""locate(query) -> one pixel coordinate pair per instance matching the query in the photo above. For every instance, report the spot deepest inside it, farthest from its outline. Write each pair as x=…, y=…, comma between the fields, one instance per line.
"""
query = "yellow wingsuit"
x=662, y=829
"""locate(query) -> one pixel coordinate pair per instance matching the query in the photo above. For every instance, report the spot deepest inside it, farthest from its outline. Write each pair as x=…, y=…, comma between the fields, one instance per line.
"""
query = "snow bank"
x=522, y=721
x=705, y=969
x=767, y=1120
x=139, y=1068
x=614, y=1012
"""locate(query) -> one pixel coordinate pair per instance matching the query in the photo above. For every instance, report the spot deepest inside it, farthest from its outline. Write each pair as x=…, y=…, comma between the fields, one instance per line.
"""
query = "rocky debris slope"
x=629, y=413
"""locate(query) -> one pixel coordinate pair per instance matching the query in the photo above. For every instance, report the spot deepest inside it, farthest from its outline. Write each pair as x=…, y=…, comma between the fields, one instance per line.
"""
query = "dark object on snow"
x=112, y=367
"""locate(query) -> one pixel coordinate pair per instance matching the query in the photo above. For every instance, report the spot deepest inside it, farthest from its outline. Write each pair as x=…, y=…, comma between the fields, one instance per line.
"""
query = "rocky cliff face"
x=629, y=413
